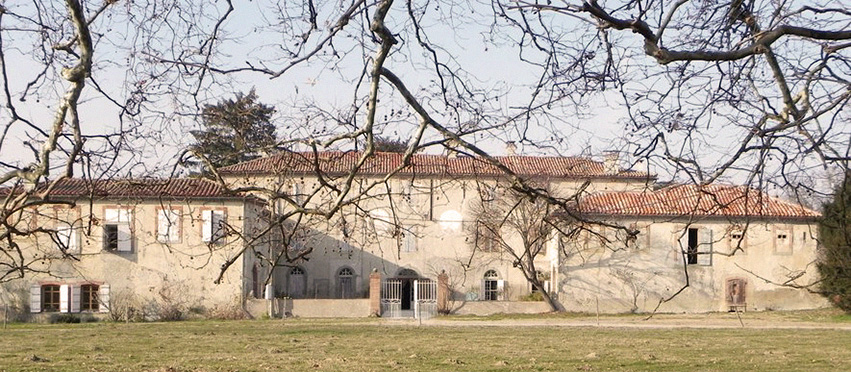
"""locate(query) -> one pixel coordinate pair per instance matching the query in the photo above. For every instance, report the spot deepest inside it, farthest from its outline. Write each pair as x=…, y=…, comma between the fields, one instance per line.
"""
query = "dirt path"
x=666, y=321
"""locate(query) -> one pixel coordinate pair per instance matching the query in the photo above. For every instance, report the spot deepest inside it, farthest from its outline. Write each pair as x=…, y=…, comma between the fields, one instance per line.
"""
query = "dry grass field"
x=375, y=345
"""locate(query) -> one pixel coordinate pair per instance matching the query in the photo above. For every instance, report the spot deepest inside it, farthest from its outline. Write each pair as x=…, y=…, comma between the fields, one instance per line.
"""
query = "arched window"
x=491, y=286
x=346, y=283
x=296, y=283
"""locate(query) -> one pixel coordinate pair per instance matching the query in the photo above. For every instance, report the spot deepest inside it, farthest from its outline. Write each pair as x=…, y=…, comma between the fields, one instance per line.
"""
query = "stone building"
x=144, y=243
x=628, y=245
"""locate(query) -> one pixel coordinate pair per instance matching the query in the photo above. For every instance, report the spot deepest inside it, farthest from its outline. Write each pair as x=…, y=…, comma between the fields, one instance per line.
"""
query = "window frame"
x=93, y=303
x=128, y=222
x=44, y=287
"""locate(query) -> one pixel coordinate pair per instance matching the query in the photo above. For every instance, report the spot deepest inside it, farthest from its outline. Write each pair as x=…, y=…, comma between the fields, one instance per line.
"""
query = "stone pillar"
x=443, y=293
x=375, y=293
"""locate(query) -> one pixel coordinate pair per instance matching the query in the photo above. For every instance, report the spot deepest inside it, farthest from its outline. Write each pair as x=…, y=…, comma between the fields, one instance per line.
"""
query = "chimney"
x=510, y=148
x=610, y=162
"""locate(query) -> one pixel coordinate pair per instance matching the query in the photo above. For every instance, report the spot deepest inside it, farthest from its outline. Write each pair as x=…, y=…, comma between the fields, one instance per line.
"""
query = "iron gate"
x=408, y=298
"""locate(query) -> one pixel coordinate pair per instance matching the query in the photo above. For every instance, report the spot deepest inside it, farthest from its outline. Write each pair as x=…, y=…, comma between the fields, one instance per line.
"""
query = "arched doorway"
x=406, y=277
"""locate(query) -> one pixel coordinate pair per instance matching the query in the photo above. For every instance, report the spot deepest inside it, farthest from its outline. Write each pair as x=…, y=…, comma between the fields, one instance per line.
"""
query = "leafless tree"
x=753, y=89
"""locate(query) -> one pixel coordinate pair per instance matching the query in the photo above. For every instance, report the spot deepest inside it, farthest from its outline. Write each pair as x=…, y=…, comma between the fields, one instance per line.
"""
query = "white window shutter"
x=500, y=290
x=125, y=238
x=483, y=291
x=103, y=298
x=74, y=240
x=35, y=298
x=75, y=298
x=163, y=225
x=64, y=237
x=704, y=248
x=174, y=227
x=206, y=226
x=64, y=296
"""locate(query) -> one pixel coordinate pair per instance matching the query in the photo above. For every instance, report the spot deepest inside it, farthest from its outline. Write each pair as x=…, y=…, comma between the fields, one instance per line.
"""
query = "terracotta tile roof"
x=693, y=200
x=427, y=165
x=138, y=188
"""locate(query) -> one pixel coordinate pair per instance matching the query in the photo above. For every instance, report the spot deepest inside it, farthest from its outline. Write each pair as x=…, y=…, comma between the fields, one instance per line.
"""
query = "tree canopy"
x=235, y=130
x=835, y=261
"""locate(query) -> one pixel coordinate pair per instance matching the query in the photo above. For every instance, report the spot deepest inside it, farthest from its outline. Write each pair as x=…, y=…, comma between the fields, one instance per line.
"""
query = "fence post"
x=443, y=293
x=375, y=293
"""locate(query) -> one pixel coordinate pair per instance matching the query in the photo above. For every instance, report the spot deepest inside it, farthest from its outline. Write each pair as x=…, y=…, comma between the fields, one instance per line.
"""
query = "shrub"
x=63, y=318
x=227, y=312
x=534, y=296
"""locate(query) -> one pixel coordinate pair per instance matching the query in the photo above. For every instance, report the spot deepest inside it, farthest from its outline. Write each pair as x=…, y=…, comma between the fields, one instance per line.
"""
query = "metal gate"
x=425, y=298
x=408, y=298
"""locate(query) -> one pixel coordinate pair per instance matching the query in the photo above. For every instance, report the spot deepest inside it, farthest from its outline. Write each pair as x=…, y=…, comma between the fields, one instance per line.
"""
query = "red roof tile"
x=693, y=200
x=426, y=165
x=139, y=188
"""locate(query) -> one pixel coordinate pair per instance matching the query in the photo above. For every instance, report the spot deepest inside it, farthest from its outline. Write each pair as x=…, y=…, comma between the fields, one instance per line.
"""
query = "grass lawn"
x=367, y=345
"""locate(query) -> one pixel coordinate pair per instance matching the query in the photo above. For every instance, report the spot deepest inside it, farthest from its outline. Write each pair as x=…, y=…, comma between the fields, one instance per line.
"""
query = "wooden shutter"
x=75, y=298
x=64, y=296
x=103, y=298
x=704, y=247
x=500, y=290
x=35, y=298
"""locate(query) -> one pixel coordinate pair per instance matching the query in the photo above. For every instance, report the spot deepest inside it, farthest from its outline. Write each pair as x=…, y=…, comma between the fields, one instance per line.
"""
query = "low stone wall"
x=312, y=308
x=499, y=307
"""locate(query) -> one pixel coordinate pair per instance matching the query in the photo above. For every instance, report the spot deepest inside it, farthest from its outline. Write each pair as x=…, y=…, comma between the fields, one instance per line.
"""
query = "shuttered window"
x=50, y=297
x=168, y=225
x=89, y=297
x=117, y=230
x=213, y=226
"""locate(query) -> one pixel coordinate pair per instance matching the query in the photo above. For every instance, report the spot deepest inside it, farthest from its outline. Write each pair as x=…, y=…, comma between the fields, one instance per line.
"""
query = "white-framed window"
x=493, y=288
x=697, y=246
x=213, y=222
x=69, y=298
x=117, y=230
x=169, y=223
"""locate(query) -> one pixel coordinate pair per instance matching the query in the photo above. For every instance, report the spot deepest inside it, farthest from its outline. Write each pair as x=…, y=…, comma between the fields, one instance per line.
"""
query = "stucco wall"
x=180, y=272
x=635, y=278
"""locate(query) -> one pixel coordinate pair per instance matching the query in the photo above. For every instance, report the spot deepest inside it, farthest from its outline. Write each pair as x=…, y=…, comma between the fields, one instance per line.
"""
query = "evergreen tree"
x=235, y=130
x=835, y=261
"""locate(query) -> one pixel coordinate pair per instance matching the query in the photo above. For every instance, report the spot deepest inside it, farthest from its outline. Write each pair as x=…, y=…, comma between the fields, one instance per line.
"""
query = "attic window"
x=783, y=243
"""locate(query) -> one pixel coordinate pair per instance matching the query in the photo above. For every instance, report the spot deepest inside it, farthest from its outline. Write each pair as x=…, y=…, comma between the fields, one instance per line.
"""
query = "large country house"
x=717, y=247
x=152, y=243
